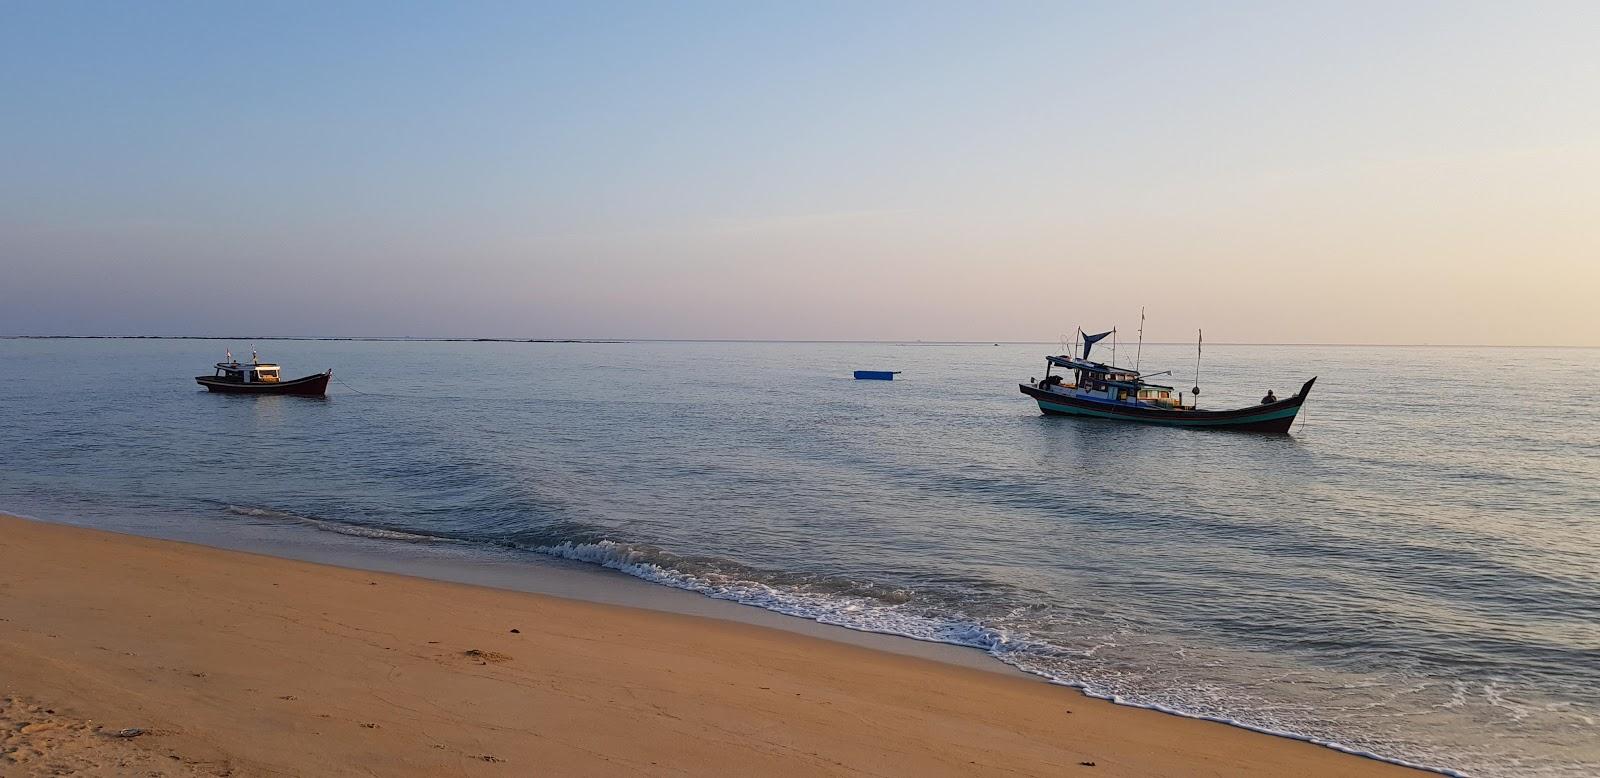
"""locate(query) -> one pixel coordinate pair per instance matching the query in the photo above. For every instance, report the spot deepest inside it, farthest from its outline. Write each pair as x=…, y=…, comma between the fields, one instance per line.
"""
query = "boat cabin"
x=247, y=374
x=1107, y=383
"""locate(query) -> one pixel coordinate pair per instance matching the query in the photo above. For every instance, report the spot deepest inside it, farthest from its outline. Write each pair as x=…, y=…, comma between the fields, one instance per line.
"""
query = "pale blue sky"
x=1351, y=172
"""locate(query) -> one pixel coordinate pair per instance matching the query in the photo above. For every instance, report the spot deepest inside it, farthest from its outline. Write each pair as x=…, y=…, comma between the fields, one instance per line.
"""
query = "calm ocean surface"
x=1414, y=572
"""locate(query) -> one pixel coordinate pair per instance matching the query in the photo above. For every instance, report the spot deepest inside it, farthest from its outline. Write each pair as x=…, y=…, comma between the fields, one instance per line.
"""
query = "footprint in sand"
x=35, y=740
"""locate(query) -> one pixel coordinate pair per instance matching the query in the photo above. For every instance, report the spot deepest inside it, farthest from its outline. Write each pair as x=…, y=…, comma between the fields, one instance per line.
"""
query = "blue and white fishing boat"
x=1105, y=391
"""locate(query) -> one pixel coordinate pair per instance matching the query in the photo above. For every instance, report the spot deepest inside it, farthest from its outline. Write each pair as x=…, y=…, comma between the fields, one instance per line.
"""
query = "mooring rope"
x=427, y=396
x=351, y=388
x=389, y=394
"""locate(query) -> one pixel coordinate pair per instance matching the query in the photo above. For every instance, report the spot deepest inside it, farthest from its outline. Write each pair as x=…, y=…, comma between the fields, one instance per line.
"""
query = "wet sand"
x=210, y=662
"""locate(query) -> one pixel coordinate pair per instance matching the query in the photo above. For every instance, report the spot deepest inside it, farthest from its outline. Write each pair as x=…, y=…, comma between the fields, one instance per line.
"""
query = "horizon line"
x=428, y=339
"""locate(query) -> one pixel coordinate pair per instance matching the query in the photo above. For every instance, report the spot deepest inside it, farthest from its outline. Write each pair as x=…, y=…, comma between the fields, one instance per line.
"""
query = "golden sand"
x=129, y=656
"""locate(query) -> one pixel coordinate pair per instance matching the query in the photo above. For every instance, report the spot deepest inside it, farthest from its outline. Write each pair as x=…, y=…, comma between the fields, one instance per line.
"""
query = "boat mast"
x=1139, y=353
x=1200, y=338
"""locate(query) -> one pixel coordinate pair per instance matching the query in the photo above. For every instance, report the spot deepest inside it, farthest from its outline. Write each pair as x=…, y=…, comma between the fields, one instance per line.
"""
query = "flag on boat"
x=1090, y=340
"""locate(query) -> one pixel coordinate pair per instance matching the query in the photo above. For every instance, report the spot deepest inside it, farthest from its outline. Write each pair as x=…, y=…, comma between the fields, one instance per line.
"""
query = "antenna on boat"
x=1200, y=338
x=1075, y=343
x=1140, y=353
x=1113, y=346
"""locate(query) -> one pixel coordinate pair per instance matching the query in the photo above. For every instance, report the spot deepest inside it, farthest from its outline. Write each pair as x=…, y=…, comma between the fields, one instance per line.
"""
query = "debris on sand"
x=485, y=657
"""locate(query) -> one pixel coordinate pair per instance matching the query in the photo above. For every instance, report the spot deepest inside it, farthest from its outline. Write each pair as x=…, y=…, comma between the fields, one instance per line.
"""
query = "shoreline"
x=518, y=570
x=227, y=660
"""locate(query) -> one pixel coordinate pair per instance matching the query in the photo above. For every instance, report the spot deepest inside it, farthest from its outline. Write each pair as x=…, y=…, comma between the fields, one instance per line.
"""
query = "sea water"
x=1413, y=572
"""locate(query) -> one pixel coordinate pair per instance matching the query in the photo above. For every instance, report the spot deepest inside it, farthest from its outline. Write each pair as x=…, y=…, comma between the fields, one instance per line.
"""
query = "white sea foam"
x=871, y=616
x=857, y=613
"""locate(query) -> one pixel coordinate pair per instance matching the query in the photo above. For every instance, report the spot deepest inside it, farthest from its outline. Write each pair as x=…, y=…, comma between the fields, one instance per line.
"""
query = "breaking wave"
x=872, y=615
x=865, y=608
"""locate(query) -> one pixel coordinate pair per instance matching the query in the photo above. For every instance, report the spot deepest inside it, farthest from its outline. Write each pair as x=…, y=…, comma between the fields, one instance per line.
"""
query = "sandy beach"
x=129, y=656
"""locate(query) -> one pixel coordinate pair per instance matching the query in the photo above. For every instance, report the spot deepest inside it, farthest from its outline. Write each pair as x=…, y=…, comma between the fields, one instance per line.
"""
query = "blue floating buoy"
x=876, y=375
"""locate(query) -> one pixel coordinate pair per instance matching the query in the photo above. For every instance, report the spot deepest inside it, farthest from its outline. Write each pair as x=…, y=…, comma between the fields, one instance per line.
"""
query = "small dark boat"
x=876, y=375
x=261, y=378
x=1107, y=392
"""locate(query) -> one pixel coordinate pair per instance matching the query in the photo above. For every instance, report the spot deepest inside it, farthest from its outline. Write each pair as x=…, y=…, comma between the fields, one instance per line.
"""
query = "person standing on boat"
x=1270, y=398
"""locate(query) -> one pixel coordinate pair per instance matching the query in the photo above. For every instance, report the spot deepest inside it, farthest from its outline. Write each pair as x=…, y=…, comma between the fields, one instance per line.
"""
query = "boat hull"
x=309, y=386
x=1268, y=417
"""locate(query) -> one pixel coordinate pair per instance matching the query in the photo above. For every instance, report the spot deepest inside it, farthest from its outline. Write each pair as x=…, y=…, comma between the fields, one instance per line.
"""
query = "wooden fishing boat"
x=1108, y=392
x=261, y=378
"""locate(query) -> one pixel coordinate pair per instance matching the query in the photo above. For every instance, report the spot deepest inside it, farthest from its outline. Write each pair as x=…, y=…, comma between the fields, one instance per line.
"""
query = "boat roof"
x=1085, y=365
x=246, y=365
x=1092, y=367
